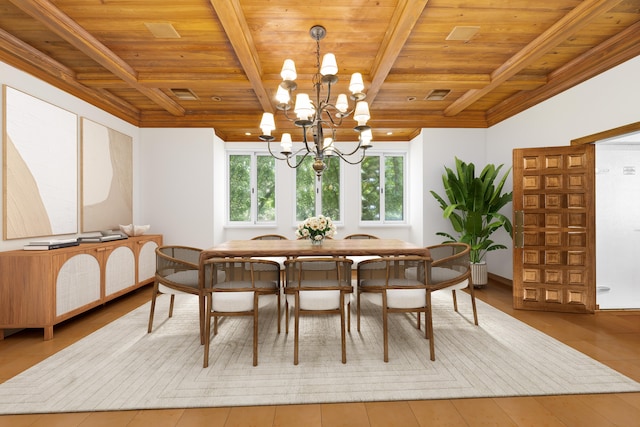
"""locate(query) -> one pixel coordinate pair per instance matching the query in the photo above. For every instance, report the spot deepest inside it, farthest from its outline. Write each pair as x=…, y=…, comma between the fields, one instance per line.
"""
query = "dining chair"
x=317, y=286
x=386, y=282
x=269, y=237
x=177, y=272
x=360, y=236
x=450, y=270
x=279, y=259
x=238, y=287
x=357, y=259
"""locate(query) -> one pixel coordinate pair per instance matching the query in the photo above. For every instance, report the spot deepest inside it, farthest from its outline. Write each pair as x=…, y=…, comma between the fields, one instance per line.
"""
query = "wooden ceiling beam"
x=406, y=14
x=62, y=25
x=27, y=53
x=573, y=21
x=16, y=52
x=235, y=26
x=614, y=51
x=165, y=80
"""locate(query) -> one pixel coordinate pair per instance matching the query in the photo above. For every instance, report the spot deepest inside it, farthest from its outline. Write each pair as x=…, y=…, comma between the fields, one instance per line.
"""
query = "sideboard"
x=39, y=289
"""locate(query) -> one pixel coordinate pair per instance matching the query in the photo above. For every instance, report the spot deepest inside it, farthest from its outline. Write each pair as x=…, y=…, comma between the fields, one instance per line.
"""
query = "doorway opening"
x=618, y=222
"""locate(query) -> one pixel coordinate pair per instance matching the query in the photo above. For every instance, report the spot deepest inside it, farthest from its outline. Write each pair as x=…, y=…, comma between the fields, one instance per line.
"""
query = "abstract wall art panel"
x=40, y=169
x=107, y=177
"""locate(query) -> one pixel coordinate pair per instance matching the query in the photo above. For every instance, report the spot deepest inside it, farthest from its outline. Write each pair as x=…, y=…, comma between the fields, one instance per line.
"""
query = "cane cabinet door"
x=147, y=258
x=554, y=229
x=120, y=269
x=77, y=282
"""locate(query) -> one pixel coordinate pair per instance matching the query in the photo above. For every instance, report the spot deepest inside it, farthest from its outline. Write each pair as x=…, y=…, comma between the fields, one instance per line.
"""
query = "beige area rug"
x=122, y=367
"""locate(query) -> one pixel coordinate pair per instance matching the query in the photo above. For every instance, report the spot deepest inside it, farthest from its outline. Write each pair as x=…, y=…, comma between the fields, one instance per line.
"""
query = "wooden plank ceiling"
x=229, y=53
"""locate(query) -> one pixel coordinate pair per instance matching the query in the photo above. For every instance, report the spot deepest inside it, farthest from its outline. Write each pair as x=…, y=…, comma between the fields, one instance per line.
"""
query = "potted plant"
x=473, y=204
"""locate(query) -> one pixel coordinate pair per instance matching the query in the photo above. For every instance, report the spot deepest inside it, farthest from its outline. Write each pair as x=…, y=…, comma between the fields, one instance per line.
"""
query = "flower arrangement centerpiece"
x=316, y=228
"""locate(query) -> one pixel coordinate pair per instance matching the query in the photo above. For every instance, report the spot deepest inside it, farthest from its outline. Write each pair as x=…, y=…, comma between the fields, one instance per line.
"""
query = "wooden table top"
x=333, y=247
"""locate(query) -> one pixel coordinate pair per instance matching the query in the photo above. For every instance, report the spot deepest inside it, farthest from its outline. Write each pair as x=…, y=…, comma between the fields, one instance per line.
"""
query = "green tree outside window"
x=252, y=197
x=382, y=188
x=308, y=186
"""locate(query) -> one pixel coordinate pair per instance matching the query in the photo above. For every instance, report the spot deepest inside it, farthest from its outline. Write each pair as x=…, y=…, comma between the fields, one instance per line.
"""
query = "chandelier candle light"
x=318, y=117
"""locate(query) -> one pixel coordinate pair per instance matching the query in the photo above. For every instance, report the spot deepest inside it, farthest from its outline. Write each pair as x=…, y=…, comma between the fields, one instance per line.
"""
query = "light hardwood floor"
x=613, y=337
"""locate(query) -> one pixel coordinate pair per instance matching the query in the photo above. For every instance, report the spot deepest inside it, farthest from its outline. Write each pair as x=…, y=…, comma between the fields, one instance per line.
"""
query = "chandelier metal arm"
x=346, y=159
x=289, y=156
x=273, y=154
x=295, y=165
x=355, y=150
x=305, y=140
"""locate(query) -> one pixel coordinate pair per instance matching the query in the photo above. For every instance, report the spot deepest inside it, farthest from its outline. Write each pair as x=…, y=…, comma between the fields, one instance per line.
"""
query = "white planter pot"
x=479, y=274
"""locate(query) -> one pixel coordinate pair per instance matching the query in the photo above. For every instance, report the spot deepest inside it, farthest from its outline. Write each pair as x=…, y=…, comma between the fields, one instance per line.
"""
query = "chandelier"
x=318, y=117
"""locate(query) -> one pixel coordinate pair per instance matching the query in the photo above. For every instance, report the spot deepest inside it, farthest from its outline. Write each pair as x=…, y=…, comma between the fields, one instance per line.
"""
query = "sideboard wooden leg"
x=48, y=333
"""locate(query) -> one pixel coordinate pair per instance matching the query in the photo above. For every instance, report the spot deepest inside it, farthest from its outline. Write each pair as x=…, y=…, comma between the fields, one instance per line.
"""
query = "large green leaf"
x=472, y=205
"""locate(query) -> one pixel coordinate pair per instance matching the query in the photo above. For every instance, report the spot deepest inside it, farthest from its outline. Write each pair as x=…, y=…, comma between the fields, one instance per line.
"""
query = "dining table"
x=303, y=247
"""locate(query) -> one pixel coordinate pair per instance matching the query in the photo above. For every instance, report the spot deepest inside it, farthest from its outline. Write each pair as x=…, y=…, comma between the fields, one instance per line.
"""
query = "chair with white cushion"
x=177, y=269
x=359, y=258
x=317, y=286
x=280, y=259
x=399, y=284
x=238, y=287
x=450, y=270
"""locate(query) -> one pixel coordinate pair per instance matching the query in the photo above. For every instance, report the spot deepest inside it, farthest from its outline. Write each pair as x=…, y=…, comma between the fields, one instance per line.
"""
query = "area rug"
x=121, y=367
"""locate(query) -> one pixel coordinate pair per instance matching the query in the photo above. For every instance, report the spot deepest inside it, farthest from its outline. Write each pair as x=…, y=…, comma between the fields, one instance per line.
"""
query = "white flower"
x=316, y=228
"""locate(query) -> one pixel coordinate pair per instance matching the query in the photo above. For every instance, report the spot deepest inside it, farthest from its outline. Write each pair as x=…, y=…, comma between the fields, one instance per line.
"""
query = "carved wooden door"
x=554, y=229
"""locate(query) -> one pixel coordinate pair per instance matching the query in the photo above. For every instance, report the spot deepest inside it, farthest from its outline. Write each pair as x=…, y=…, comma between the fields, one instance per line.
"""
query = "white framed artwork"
x=40, y=167
x=107, y=177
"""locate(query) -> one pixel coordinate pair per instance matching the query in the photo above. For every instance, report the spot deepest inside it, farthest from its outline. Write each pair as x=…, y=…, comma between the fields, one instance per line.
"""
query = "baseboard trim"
x=503, y=281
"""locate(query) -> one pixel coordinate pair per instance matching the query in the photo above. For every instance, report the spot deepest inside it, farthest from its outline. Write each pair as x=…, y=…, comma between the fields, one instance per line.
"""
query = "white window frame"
x=405, y=202
x=254, y=185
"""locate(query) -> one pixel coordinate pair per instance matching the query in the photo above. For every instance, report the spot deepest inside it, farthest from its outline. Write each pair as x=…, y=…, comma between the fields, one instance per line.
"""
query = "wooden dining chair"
x=279, y=259
x=317, y=286
x=177, y=272
x=269, y=237
x=238, y=287
x=386, y=282
x=360, y=236
x=357, y=259
x=450, y=270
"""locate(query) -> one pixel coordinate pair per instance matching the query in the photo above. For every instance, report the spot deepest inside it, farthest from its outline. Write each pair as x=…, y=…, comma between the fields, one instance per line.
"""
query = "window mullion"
x=382, y=187
x=254, y=192
x=318, y=196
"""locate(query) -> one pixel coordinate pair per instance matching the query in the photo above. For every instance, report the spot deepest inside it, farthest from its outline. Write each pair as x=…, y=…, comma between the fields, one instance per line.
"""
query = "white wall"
x=28, y=84
x=176, y=171
x=607, y=101
x=440, y=148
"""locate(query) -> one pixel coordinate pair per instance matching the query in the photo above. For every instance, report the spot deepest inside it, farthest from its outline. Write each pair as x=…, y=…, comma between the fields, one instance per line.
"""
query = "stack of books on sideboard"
x=45, y=245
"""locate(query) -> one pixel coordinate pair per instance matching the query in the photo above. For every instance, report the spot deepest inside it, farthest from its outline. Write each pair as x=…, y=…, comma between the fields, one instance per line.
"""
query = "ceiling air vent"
x=461, y=33
x=184, y=94
x=437, y=94
x=162, y=30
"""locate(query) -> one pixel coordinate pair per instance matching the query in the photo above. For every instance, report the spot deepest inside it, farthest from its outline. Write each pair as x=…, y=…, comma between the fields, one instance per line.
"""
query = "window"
x=318, y=196
x=252, y=188
x=382, y=187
